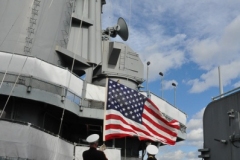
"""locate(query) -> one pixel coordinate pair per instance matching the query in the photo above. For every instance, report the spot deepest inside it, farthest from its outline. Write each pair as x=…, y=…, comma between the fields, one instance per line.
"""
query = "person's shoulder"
x=100, y=152
x=151, y=158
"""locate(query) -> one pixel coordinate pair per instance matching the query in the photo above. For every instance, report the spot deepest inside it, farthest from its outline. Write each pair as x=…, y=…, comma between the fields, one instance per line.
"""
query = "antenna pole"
x=148, y=95
x=220, y=81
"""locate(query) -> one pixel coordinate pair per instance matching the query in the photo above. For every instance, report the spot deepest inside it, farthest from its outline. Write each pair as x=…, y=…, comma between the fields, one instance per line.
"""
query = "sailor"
x=151, y=151
x=93, y=153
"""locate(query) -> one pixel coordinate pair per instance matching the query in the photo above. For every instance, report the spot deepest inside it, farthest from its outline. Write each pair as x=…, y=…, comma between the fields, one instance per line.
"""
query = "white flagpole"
x=104, y=110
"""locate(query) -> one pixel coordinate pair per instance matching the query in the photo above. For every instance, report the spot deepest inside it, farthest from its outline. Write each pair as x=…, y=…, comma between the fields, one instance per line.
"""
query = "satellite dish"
x=123, y=32
x=120, y=29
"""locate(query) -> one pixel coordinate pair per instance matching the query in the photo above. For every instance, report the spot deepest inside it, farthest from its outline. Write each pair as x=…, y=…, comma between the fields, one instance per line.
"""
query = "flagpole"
x=104, y=110
x=125, y=149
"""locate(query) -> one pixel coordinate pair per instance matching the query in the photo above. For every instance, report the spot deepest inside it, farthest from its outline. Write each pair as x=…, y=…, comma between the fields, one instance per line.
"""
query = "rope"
x=13, y=87
x=71, y=72
x=50, y=4
x=19, y=72
x=14, y=47
x=64, y=108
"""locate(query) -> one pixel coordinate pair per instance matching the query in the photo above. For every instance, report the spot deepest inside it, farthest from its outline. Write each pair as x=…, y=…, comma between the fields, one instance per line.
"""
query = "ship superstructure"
x=46, y=108
x=221, y=127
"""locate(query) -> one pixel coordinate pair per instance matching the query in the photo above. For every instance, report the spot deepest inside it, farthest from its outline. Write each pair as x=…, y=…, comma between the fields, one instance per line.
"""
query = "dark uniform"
x=151, y=158
x=93, y=154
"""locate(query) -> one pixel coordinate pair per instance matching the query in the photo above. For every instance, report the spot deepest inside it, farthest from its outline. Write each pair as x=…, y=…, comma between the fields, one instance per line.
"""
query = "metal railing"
x=226, y=94
x=33, y=82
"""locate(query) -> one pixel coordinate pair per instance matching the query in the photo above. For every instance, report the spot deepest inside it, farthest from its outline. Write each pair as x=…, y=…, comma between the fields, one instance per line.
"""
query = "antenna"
x=120, y=29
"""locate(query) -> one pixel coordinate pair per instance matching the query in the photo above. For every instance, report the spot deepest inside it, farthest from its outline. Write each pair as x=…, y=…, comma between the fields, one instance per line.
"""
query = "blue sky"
x=187, y=41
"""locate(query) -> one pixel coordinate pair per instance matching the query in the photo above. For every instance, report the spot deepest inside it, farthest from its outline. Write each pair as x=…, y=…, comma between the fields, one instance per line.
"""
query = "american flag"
x=129, y=113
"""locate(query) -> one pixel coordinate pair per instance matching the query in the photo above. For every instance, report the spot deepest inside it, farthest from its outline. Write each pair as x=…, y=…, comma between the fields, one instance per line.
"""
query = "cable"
x=13, y=87
x=14, y=46
x=64, y=108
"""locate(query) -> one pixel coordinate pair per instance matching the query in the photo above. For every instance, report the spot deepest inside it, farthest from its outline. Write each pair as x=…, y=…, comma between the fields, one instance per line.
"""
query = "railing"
x=226, y=93
x=32, y=82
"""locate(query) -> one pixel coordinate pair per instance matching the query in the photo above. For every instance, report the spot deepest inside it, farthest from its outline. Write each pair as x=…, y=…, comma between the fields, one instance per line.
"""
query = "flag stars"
x=126, y=101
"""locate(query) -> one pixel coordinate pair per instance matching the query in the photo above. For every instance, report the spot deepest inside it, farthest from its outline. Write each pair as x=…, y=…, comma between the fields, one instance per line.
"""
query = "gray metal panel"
x=218, y=125
x=40, y=95
x=54, y=21
x=42, y=25
x=86, y=41
x=98, y=27
x=36, y=26
x=13, y=24
x=126, y=61
x=92, y=32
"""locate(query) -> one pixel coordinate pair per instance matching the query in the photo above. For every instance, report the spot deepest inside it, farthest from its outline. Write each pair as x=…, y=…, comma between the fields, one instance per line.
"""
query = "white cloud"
x=214, y=51
x=236, y=84
x=196, y=134
x=168, y=84
x=162, y=62
x=210, y=53
x=195, y=130
x=176, y=155
x=179, y=155
x=211, y=78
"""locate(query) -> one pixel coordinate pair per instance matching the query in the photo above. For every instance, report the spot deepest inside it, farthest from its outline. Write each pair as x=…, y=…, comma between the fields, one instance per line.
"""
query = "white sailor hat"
x=151, y=149
x=92, y=138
